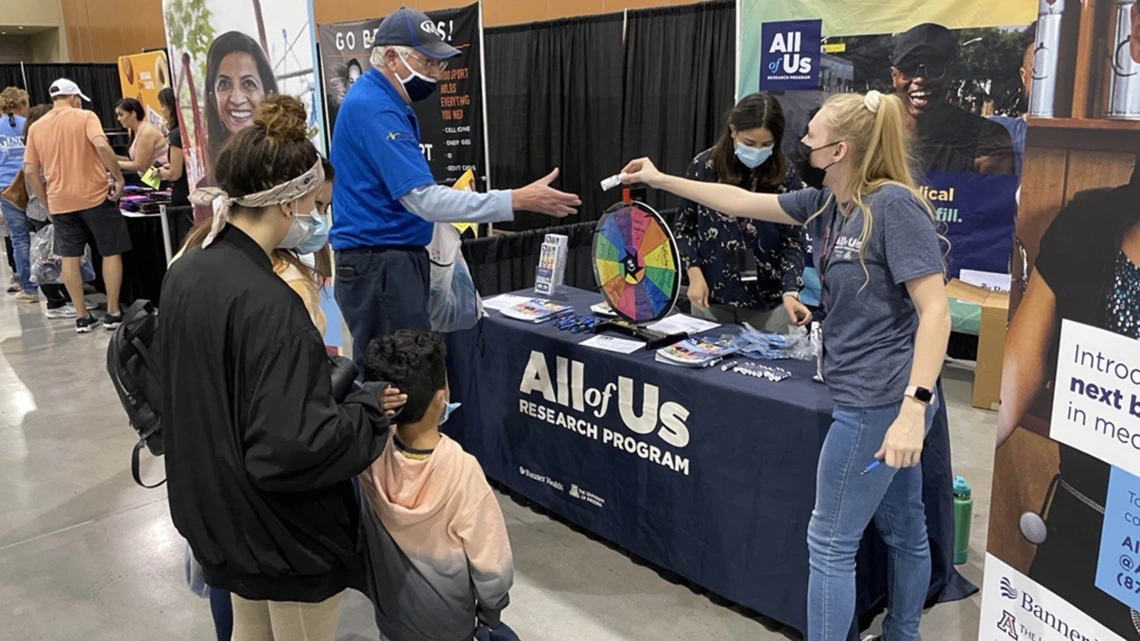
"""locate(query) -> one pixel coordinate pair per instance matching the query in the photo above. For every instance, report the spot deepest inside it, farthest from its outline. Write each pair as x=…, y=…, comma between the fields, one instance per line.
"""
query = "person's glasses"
x=430, y=65
x=930, y=72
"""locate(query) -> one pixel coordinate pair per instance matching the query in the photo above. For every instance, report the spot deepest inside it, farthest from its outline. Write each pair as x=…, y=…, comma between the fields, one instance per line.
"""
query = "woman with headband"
x=259, y=455
x=881, y=266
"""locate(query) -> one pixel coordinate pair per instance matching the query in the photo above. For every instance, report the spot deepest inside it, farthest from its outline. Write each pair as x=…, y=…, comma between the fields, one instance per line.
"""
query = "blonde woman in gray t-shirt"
x=882, y=270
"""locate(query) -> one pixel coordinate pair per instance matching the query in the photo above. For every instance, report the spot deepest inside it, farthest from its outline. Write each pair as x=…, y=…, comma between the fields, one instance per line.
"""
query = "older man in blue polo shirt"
x=385, y=197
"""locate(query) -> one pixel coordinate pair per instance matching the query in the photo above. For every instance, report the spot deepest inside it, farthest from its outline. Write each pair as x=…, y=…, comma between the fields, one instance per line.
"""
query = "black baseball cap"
x=412, y=28
x=926, y=43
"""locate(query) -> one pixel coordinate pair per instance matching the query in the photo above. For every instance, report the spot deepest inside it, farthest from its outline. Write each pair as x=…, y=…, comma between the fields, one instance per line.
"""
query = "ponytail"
x=876, y=133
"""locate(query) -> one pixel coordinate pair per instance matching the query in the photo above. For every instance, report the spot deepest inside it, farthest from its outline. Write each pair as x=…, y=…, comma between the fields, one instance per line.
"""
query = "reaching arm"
x=36, y=183
x=148, y=141
x=728, y=199
x=298, y=438
x=1026, y=354
x=173, y=171
x=439, y=204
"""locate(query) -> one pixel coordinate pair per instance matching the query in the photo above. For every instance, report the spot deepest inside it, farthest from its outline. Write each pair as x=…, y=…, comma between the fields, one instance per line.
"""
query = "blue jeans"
x=846, y=501
x=17, y=222
x=222, y=611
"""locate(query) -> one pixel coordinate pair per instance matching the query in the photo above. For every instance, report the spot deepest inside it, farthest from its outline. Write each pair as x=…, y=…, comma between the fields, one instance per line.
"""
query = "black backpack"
x=133, y=366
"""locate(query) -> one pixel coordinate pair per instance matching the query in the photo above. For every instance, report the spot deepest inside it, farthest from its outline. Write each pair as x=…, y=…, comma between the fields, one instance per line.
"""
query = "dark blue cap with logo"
x=411, y=28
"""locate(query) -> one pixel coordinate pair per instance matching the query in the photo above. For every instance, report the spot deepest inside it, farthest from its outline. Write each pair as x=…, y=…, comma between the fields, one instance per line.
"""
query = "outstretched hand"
x=641, y=171
x=540, y=197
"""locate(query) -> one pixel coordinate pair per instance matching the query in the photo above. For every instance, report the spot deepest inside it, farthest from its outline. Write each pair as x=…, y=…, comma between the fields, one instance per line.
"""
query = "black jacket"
x=258, y=455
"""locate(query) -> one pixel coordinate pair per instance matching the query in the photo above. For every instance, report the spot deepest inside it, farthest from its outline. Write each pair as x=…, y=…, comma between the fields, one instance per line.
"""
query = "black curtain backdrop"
x=100, y=82
x=554, y=99
x=680, y=77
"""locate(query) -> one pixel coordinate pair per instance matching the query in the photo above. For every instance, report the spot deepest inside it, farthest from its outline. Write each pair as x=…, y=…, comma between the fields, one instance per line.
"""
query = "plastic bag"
x=453, y=301
x=47, y=268
x=796, y=344
x=194, y=577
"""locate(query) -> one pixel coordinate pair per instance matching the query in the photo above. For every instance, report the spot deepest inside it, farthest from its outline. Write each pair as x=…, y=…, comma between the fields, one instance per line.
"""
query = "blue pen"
x=872, y=467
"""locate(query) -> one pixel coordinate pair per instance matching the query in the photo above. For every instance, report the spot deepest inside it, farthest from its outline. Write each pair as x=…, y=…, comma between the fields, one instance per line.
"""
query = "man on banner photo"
x=386, y=198
x=947, y=138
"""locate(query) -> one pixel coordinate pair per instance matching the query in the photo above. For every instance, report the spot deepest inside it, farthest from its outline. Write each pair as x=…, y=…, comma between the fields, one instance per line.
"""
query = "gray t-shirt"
x=868, y=335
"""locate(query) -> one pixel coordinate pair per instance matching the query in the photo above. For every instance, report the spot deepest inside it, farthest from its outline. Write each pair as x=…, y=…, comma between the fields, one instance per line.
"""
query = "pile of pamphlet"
x=537, y=310
x=695, y=352
x=551, y=264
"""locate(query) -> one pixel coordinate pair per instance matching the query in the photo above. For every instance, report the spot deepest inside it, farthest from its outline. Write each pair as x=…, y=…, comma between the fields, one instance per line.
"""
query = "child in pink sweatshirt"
x=439, y=558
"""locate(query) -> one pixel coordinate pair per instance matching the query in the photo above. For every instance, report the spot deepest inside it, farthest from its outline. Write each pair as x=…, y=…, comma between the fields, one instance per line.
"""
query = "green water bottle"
x=963, y=512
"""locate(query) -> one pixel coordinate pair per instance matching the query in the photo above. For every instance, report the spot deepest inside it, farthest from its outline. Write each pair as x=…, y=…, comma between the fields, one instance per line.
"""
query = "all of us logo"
x=790, y=55
x=789, y=47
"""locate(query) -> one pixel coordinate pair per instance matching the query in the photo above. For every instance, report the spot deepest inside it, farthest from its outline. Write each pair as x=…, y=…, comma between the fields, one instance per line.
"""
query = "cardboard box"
x=991, y=340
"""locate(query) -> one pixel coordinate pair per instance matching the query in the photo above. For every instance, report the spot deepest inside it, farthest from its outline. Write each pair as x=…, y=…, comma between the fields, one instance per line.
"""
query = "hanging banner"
x=1063, y=557
x=790, y=56
x=452, y=135
x=228, y=57
x=961, y=84
x=142, y=76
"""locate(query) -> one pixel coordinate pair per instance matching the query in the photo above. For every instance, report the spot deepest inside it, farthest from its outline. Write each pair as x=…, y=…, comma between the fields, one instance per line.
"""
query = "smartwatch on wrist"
x=795, y=295
x=920, y=394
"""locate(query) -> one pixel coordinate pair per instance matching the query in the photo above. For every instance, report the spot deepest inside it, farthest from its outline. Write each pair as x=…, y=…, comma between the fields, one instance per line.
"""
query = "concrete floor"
x=87, y=555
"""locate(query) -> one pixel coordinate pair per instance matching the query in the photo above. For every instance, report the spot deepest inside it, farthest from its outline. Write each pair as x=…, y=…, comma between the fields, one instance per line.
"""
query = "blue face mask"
x=318, y=238
x=451, y=407
x=753, y=157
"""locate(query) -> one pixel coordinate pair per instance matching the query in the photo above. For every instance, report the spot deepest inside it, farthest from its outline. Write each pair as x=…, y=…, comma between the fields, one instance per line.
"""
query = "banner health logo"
x=1008, y=623
x=567, y=399
x=1007, y=589
x=790, y=54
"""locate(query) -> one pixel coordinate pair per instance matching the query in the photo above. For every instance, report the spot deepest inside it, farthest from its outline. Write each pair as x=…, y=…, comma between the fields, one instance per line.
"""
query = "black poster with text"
x=451, y=121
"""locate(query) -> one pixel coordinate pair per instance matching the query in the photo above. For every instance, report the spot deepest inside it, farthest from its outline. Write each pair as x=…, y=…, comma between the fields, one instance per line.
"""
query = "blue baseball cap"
x=412, y=28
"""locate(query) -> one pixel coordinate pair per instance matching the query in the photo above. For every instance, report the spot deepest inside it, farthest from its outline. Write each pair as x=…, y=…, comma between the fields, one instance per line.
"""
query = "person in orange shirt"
x=69, y=147
x=439, y=560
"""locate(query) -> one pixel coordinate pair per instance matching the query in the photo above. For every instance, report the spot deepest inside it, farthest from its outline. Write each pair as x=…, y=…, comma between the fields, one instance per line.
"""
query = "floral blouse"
x=706, y=237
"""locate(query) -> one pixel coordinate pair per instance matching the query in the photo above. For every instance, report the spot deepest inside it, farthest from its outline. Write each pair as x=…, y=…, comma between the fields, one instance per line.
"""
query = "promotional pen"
x=872, y=467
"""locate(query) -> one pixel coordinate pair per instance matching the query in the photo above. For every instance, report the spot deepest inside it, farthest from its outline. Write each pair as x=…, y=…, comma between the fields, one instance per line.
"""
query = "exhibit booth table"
x=707, y=473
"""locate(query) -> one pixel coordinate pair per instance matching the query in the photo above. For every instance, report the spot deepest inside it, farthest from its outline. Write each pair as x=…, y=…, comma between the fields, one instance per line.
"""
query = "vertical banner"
x=228, y=56
x=958, y=68
x=452, y=134
x=1063, y=556
x=142, y=76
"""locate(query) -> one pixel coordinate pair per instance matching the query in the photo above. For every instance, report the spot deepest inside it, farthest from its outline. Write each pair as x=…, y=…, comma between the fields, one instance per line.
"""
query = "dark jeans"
x=222, y=609
x=55, y=295
x=381, y=290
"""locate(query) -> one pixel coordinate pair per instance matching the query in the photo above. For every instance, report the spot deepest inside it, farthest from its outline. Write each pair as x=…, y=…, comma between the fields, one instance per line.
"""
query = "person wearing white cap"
x=69, y=147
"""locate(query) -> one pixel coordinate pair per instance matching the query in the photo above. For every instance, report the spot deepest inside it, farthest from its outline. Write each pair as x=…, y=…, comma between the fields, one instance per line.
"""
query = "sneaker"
x=85, y=324
x=66, y=311
x=14, y=286
x=112, y=321
x=25, y=297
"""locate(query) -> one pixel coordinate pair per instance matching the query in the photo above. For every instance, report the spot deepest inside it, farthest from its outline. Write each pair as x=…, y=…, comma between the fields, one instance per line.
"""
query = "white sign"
x=1017, y=608
x=680, y=323
x=1096, y=400
x=611, y=344
x=986, y=280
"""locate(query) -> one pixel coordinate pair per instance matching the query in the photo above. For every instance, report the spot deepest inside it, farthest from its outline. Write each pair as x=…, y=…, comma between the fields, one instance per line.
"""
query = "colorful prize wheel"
x=636, y=262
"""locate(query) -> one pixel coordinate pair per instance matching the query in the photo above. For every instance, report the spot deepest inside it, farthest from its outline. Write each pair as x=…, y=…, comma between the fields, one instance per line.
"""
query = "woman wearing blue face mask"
x=309, y=237
x=742, y=270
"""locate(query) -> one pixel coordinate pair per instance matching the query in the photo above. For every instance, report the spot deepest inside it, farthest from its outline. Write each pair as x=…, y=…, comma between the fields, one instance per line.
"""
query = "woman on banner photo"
x=881, y=262
x=229, y=57
x=1088, y=271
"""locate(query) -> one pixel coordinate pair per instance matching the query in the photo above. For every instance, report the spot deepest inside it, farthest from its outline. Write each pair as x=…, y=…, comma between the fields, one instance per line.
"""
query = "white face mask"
x=302, y=229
